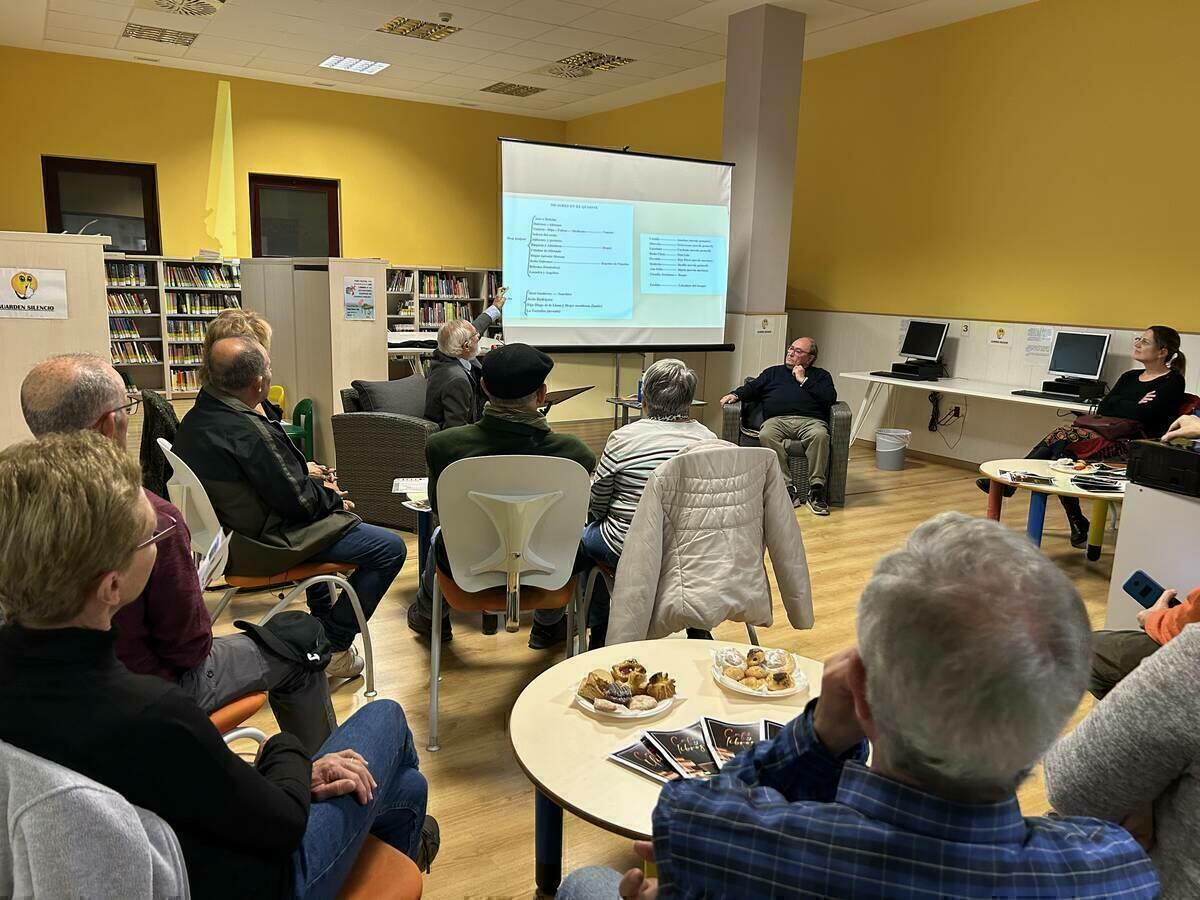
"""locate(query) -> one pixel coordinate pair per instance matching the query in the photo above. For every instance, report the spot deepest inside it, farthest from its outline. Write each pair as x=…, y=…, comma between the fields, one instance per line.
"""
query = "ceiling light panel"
x=512, y=90
x=161, y=35
x=594, y=60
x=353, y=64
x=416, y=28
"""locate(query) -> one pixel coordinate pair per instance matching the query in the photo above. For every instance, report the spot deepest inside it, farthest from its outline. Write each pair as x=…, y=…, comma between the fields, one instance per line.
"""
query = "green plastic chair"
x=301, y=429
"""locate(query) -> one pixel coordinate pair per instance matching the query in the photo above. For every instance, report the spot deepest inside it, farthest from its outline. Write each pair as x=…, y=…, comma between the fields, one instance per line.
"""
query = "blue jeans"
x=379, y=555
x=590, y=883
x=597, y=548
x=338, y=828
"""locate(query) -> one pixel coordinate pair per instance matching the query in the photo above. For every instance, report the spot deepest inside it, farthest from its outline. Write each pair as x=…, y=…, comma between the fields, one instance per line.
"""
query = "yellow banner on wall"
x=220, y=217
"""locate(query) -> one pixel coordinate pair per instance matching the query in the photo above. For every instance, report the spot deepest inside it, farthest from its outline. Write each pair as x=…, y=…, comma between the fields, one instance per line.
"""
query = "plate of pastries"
x=626, y=691
x=758, y=672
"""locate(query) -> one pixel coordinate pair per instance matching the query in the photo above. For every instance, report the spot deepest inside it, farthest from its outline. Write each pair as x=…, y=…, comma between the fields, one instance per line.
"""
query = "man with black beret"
x=514, y=380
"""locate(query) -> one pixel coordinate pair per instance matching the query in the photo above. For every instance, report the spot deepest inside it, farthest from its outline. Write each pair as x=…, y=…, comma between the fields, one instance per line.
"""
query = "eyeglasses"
x=163, y=526
x=130, y=408
x=799, y=350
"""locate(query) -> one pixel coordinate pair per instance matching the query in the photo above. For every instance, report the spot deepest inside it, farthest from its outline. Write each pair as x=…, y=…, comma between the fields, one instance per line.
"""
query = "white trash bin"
x=889, y=448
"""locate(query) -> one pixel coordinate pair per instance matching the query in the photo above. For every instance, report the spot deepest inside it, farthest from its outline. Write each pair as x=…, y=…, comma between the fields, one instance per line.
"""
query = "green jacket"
x=496, y=436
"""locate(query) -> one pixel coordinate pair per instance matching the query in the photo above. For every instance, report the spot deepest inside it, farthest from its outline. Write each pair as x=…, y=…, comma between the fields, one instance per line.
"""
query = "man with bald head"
x=795, y=399
x=167, y=631
x=280, y=515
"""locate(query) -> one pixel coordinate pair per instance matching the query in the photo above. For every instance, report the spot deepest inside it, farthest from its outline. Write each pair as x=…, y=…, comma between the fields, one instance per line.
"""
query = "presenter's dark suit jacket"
x=452, y=394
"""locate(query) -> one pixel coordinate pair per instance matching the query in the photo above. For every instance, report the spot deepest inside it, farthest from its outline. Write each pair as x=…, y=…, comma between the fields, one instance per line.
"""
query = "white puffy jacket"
x=694, y=554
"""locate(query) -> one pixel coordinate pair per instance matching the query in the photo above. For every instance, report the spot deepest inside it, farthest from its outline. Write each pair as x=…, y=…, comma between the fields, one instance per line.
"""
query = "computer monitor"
x=1078, y=354
x=923, y=340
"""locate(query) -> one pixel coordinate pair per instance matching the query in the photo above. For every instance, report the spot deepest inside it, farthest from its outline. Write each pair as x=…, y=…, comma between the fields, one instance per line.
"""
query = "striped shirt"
x=630, y=455
x=787, y=819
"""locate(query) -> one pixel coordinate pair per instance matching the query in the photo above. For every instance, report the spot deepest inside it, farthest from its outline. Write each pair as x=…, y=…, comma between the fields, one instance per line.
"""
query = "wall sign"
x=33, y=293
x=359, y=298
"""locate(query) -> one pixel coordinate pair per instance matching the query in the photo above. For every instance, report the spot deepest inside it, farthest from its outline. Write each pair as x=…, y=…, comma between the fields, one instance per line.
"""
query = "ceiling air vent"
x=594, y=60
x=161, y=35
x=416, y=28
x=199, y=8
x=512, y=90
x=558, y=70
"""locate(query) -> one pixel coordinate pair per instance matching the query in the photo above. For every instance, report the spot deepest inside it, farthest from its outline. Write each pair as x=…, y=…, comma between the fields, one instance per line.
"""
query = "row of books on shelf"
x=185, y=380
x=201, y=304
x=438, y=285
x=440, y=313
x=408, y=327
x=120, y=327
x=187, y=330
x=491, y=285
x=404, y=310
x=401, y=282
x=186, y=355
x=218, y=276
x=122, y=274
x=129, y=303
x=128, y=353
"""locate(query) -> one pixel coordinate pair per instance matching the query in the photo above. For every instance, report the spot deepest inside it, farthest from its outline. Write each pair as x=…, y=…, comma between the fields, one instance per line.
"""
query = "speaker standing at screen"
x=795, y=399
x=1146, y=402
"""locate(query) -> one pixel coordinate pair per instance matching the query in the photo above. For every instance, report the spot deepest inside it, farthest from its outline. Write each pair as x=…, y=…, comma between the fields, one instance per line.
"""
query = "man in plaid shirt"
x=973, y=653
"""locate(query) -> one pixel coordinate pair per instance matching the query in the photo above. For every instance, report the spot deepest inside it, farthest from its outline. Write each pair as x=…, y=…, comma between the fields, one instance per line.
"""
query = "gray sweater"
x=1139, y=746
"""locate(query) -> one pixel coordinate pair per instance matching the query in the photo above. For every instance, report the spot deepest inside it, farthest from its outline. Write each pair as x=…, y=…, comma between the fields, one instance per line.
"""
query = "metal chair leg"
x=589, y=586
x=435, y=668
x=571, y=605
x=753, y=634
x=222, y=603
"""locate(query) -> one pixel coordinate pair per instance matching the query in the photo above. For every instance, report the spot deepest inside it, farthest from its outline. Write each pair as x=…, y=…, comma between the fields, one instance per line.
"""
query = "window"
x=95, y=196
x=294, y=216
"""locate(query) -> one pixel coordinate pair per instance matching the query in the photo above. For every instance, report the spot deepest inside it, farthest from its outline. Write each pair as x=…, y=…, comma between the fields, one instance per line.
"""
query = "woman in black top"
x=1151, y=398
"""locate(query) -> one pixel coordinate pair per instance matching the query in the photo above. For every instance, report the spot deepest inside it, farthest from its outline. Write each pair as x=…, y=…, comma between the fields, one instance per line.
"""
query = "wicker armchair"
x=373, y=448
x=735, y=430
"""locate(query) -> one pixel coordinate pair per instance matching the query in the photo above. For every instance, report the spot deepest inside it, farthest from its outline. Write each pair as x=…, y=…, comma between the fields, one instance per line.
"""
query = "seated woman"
x=1151, y=398
x=631, y=454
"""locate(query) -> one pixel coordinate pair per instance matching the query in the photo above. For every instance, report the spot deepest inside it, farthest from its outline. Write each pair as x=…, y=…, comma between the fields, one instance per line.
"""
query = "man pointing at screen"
x=795, y=399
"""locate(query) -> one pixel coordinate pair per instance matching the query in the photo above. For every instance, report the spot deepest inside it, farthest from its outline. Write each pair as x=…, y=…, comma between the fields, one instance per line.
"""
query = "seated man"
x=514, y=380
x=1117, y=653
x=78, y=541
x=796, y=398
x=452, y=394
x=972, y=655
x=166, y=631
x=259, y=484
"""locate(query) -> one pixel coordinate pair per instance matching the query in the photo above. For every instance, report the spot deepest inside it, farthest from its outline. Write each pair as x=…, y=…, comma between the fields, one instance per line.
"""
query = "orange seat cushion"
x=495, y=599
x=232, y=715
x=381, y=871
x=291, y=576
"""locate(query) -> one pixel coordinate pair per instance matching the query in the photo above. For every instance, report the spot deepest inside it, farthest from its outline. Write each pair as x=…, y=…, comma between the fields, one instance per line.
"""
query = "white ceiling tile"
x=489, y=5
x=292, y=55
x=267, y=64
x=657, y=9
x=512, y=63
x=485, y=71
x=218, y=57
x=308, y=8
x=538, y=50
x=672, y=34
x=714, y=16
x=86, y=38
x=481, y=40
x=444, y=90
x=880, y=5
x=554, y=11
x=536, y=102
x=329, y=32
x=423, y=63
x=671, y=56
x=465, y=81
x=647, y=69
x=394, y=88
x=430, y=10
x=410, y=74
x=714, y=44
x=211, y=43
x=90, y=24
x=442, y=50
x=574, y=38
x=119, y=12
x=301, y=42
x=617, y=79
x=344, y=14
x=588, y=86
x=560, y=96
x=613, y=23
x=549, y=82
x=511, y=27
x=150, y=48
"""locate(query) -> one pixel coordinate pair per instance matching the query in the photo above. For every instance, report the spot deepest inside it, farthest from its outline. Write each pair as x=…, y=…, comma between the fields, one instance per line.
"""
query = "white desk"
x=966, y=387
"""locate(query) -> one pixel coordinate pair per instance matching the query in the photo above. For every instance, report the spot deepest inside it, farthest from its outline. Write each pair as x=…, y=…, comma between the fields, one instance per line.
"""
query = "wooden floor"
x=480, y=797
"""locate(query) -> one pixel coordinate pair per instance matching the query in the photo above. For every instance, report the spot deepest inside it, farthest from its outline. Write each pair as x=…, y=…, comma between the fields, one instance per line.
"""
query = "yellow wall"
x=1038, y=164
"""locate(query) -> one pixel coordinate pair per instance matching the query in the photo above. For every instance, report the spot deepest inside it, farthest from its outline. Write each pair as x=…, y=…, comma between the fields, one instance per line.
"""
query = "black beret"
x=515, y=370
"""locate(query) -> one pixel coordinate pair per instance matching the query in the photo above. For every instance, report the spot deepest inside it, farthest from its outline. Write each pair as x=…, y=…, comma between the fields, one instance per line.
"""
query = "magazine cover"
x=770, y=729
x=685, y=749
x=645, y=759
x=726, y=740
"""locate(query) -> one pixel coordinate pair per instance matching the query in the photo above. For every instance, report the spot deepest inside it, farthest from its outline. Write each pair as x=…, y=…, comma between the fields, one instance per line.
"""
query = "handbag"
x=1110, y=427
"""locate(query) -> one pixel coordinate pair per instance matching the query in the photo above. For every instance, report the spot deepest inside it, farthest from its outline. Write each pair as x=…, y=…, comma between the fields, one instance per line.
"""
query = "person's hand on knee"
x=341, y=773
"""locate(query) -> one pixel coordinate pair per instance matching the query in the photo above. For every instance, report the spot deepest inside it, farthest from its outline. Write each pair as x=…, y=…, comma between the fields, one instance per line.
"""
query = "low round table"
x=1039, y=492
x=563, y=750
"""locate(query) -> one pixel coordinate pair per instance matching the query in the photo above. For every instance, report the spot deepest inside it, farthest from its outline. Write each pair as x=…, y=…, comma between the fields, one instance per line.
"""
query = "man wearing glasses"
x=167, y=630
x=795, y=399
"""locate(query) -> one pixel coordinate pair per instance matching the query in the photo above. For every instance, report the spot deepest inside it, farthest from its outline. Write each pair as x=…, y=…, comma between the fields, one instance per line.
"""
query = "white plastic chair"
x=518, y=530
x=188, y=494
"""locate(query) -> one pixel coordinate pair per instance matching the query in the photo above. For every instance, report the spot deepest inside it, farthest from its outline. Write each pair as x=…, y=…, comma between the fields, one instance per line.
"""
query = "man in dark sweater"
x=795, y=399
x=78, y=541
x=452, y=393
x=514, y=379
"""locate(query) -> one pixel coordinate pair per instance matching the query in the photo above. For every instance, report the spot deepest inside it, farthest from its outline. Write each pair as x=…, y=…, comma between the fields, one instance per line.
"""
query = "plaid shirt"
x=787, y=819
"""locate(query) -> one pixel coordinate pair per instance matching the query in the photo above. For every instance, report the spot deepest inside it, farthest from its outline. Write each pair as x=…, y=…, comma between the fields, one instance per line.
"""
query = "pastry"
x=589, y=689
x=755, y=684
x=780, y=681
x=603, y=705
x=755, y=657
x=637, y=683
x=735, y=673
x=731, y=657
x=779, y=661
x=622, y=670
x=642, y=703
x=756, y=672
x=661, y=686
x=618, y=693
x=602, y=676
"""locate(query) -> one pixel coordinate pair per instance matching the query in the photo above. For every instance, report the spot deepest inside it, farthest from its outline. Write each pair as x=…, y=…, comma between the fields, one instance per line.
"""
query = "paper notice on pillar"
x=1000, y=335
x=1038, y=339
x=33, y=293
x=359, y=297
x=764, y=326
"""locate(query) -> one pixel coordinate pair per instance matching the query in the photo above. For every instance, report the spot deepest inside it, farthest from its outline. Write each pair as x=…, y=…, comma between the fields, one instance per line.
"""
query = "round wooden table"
x=563, y=750
x=1039, y=492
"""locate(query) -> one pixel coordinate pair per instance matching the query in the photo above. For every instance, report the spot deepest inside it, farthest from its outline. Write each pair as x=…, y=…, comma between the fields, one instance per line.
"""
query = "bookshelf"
x=421, y=299
x=158, y=311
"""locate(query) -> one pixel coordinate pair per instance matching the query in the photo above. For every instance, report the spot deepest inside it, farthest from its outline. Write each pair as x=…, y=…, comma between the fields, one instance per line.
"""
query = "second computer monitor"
x=923, y=340
x=1078, y=354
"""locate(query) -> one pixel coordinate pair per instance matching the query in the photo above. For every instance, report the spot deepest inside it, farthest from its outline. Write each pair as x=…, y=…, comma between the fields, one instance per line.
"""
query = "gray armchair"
x=736, y=429
x=379, y=437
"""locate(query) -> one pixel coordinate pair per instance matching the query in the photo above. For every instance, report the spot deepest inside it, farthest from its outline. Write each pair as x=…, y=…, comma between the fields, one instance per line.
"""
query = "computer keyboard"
x=901, y=375
x=1047, y=395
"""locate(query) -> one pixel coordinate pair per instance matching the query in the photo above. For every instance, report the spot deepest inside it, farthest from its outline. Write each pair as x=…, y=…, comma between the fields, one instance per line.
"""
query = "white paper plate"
x=730, y=685
x=1071, y=470
x=623, y=713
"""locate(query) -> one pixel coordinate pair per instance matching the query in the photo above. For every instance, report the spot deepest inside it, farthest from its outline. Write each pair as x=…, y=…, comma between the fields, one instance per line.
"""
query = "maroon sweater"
x=166, y=630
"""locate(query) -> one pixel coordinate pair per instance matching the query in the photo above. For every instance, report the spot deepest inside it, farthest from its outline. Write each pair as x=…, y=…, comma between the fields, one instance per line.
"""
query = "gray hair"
x=453, y=335
x=234, y=372
x=69, y=392
x=977, y=649
x=668, y=388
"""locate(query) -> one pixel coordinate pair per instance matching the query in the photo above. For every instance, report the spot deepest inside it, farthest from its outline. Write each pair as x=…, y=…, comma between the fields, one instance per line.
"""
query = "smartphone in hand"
x=1144, y=589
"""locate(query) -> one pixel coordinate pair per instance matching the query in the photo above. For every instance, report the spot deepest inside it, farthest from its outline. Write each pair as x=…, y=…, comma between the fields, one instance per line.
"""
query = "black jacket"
x=452, y=394
x=65, y=698
x=259, y=485
x=777, y=390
